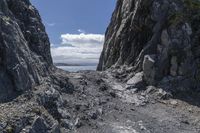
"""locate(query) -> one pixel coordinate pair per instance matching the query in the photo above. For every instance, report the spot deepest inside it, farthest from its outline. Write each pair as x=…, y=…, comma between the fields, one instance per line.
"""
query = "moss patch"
x=176, y=18
x=10, y=129
x=191, y=10
x=192, y=4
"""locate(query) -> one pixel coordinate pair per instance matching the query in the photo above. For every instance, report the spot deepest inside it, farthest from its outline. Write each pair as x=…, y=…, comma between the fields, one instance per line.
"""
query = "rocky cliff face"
x=152, y=37
x=158, y=37
x=24, y=48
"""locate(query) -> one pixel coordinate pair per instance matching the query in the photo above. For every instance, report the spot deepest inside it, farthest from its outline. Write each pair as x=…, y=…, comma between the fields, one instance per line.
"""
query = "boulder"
x=149, y=69
x=136, y=81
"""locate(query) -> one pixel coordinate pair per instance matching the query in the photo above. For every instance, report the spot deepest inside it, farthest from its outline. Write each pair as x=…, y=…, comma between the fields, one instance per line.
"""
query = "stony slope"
x=159, y=37
x=100, y=103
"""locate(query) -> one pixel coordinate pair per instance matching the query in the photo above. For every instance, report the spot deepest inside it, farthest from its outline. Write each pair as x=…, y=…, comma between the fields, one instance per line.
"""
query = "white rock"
x=135, y=79
x=173, y=102
x=149, y=68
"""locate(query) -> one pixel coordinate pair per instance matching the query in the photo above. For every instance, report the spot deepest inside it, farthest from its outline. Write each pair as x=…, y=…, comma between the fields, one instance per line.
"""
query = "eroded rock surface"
x=167, y=30
x=24, y=48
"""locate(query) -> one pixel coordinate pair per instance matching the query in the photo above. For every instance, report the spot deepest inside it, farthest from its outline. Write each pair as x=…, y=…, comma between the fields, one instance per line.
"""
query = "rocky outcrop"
x=159, y=37
x=25, y=57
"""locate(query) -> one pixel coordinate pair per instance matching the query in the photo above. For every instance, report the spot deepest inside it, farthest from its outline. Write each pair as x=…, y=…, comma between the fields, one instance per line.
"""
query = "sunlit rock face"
x=24, y=47
x=166, y=31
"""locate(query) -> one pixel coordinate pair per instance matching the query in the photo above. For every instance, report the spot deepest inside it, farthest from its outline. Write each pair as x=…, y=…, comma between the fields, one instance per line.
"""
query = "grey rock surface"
x=24, y=48
x=149, y=68
x=167, y=29
x=136, y=81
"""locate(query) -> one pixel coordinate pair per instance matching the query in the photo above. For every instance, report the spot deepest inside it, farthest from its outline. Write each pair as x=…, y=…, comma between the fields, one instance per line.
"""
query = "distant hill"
x=67, y=64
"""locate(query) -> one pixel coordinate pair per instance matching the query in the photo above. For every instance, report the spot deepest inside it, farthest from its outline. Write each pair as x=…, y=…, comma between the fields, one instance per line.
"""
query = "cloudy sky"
x=76, y=28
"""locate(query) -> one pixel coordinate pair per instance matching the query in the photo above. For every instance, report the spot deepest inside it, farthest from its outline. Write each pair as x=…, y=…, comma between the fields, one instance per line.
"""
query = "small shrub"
x=9, y=129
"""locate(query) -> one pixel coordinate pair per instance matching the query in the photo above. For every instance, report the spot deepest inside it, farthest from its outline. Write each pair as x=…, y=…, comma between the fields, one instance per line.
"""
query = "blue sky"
x=67, y=16
x=76, y=28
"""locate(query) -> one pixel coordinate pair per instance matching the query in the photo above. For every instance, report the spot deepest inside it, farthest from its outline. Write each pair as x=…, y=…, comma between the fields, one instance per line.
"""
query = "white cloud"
x=51, y=24
x=78, y=48
x=81, y=31
x=83, y=40
x=52, y=45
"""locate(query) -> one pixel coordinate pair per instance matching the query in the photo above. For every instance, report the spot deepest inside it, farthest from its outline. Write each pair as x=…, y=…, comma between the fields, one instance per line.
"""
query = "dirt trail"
x=130, y=111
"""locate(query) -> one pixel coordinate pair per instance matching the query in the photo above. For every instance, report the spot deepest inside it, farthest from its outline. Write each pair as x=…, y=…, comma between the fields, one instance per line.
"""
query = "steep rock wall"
x=159, y=37
x=24, y=47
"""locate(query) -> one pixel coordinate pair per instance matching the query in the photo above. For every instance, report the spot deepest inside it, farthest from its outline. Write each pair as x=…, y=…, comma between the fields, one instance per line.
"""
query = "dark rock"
x=24, y=47
x=93, y=115
x=99, y=81
x=52, y=101
x=61, y=82
x=39, y=125
x=113, y=94
x=3, y=125
x=66, y=124
x=185, y=122
x=166, y=29
x=103, y=87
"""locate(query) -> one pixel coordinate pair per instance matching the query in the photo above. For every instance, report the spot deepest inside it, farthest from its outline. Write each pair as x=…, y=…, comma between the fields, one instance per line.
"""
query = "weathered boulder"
x=136, y=81
x=149, y=69
x=52, y=101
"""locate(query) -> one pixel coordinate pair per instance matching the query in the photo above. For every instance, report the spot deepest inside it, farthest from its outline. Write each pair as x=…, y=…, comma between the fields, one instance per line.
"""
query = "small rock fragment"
x=135, y=81
x=66, y=124
x=78, y=123
x=174, y=102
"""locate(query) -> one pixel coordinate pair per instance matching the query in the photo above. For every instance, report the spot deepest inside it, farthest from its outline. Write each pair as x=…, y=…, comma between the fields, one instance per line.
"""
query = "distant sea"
x=77, y=68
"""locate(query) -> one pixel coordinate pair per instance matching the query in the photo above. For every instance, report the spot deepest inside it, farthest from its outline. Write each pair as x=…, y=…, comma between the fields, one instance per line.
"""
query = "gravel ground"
x=101, y=103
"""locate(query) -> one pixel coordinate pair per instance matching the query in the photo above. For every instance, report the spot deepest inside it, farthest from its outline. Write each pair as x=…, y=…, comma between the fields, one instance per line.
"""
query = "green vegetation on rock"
x=190, y=12
x=192, y=4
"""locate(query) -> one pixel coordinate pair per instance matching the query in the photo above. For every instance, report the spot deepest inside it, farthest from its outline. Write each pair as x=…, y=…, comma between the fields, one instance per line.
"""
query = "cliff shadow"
x=7, y=91
x=191, y=97
x=8, y=96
